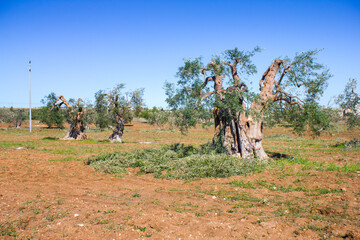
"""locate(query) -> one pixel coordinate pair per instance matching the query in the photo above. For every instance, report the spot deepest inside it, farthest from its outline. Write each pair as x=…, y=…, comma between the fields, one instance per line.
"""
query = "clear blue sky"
x=78, y=47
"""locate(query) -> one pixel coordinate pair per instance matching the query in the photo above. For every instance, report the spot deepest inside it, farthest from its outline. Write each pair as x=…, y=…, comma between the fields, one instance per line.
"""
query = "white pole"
x=30, y=94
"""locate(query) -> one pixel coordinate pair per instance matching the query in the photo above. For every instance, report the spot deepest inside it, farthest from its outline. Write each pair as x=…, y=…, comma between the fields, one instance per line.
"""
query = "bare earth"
x=47, y=192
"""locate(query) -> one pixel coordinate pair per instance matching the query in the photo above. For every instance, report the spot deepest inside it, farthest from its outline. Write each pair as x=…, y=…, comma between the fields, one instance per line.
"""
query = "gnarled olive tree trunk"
x=242, y=135
x=118, y=130
x=76, y=127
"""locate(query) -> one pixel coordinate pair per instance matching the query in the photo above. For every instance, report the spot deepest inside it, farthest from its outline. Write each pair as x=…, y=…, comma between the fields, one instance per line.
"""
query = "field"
x=309, y=190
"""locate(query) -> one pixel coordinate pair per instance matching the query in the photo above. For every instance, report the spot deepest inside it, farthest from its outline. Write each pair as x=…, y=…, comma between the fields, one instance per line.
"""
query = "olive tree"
x=118, y=108
x=49, y=114
x=238, y=113
x=13, y=116
x=102, y=119
x=75, y=115
x=158, y=117
x=349, y=102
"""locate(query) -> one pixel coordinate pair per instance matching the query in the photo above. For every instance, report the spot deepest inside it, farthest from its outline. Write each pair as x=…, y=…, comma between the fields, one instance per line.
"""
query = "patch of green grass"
x=243, y=184
x=50, y=139
x=280, y=136
x=345, y=168
x=65, y=159
x=318, y=166
x=322, y=191
x=52, y=216
x=190, y=204
x=8, y=228
x=112, y=227
x=109, y=211
x=270, y=186
x=352, y=144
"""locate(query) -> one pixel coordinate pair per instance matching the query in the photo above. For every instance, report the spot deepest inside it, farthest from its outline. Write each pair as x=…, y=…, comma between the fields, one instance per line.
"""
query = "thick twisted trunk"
x=76, y=129
x=241, y=137
x=118, y=130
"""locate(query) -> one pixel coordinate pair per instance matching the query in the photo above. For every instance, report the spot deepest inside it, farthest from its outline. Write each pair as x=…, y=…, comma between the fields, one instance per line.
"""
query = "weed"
x=136, y=195
x=8, y=229
x=322, y=191
x=141, y=229
x=52, y=216
x=112, y=227
x=109, y=211
x=101, y=221
x=155, y=202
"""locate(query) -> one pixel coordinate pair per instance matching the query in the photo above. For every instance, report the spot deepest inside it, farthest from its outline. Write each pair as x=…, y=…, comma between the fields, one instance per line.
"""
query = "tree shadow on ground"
x=50, y=138
x=277, y=155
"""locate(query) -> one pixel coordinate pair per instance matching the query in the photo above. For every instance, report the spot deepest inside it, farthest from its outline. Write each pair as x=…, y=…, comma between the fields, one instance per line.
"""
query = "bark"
x=77, y=127
x=242, y=135
x=118, y=130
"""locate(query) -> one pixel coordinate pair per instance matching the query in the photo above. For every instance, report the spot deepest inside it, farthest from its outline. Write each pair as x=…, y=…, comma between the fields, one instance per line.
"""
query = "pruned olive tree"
x=75, y=117
x=119, y=109
x=237, y=112
x=349, y=102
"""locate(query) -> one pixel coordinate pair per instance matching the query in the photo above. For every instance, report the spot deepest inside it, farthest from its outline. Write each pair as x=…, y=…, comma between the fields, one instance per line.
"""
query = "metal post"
x=30, y=94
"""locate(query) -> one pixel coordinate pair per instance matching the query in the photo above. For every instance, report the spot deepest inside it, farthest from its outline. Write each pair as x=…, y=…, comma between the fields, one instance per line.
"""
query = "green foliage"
x=301, y=80
x=101, y=109
x=119, y=105
x=13, y=116
x=137, y=101
x=158, y=117
x=18, y=115
x=306, y=74
x=5, y=115
x=349, y=102
x=177, y=162
x=89, y=113
x=312, y=117
x=49, y=114
x=109, y=106
x=246, y=65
